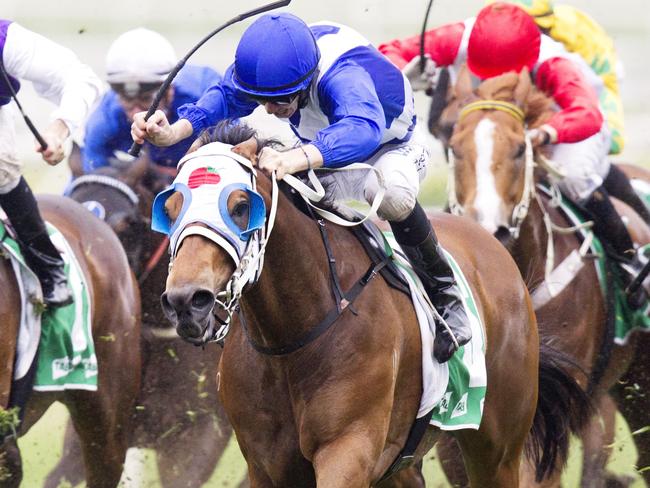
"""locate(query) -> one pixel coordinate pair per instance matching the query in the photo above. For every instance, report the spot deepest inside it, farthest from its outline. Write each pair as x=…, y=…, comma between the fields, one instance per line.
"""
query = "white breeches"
x=586, y=164
x=403, y=167
x=10, y=167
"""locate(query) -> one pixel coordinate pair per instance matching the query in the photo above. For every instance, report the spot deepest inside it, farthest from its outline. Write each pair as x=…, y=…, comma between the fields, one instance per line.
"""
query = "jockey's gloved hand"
x=541, y=136
x=55, y=136
x=422, y=80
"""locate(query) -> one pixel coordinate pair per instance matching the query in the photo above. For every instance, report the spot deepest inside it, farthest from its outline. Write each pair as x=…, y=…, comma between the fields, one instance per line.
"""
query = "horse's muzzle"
x=189, y=309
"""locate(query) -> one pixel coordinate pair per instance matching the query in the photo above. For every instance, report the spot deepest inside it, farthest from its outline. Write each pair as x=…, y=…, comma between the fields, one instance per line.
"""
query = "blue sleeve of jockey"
x=220, y=101
x=100, y=130
x=348, y=97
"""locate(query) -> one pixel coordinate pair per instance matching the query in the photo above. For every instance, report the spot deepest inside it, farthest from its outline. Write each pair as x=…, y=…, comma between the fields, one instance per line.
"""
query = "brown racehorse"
x=489, y=181
x=188, y=435
x=336, y=411
x=102, y=417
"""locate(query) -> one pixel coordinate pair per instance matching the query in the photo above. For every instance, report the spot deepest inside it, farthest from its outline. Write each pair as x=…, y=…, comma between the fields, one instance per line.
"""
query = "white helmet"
x=139, y=56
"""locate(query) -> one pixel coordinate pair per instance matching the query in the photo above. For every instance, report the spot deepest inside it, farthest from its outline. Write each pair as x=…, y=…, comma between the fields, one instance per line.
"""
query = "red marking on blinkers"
x=203, y=176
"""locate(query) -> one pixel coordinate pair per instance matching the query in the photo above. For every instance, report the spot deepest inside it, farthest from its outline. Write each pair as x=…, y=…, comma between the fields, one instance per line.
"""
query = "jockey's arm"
x=357, y=120
x=579, y=116
x=221, y=101
x=57, y=75
x=441, y=44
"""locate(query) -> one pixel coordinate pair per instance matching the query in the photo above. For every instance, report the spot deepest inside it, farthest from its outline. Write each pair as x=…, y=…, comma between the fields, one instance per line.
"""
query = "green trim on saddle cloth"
x=626, y=319
x=66, y=352
x=461, y=406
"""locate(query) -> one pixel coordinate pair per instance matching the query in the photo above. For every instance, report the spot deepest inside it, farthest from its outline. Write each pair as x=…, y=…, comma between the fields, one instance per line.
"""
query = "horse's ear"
x=522, y=90
x=173, y=205
x=248, y=149
x=463, y=86
x=136, y=170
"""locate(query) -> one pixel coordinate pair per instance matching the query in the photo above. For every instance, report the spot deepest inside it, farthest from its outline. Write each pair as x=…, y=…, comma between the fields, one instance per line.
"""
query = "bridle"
x=520, y=210
x=249, y=268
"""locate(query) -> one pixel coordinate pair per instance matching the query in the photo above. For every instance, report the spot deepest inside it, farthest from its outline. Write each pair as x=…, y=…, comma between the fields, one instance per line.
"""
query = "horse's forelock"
x=234, y=132
x=499, y=88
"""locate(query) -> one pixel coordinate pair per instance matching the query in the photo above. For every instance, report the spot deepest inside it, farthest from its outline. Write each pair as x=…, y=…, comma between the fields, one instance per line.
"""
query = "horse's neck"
x=293, y=292
x=529, y=250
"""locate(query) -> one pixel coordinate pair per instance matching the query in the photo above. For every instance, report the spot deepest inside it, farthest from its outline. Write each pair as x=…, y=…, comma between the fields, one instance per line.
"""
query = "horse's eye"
x=520, y=151
x=239, y=214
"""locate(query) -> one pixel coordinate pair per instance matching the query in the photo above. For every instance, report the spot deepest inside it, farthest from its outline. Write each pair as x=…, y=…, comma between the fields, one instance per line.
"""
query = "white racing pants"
x=403, y=166
x=10, y=167
x=585, y=163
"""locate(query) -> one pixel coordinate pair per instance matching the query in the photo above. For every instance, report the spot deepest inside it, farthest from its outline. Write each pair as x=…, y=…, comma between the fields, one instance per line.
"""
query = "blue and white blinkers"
x=206, y=179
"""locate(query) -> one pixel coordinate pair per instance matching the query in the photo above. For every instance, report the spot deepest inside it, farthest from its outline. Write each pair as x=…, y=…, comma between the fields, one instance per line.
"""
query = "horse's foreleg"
x=346, y=462
x=70, y=468
x=11, y=468
x=103, y=431
x=189, y=458
x=632, y=395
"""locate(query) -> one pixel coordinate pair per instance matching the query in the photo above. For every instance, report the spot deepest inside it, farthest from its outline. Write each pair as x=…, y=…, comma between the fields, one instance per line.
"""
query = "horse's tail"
x=562, y=408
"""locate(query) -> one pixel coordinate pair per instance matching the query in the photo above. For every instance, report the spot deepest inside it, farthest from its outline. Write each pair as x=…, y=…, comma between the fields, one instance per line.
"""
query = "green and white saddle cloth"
x=60, y=339
x=627, y=319
x=455, y=390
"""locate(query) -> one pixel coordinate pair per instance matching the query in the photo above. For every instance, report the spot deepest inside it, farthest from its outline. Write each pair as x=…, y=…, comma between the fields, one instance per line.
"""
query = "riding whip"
x=135, y=148
x=424, y=29
x=29, y=123
x=638, y=281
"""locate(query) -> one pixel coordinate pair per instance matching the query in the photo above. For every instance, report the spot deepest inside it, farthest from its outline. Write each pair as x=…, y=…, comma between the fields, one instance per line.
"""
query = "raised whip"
x=135, y=148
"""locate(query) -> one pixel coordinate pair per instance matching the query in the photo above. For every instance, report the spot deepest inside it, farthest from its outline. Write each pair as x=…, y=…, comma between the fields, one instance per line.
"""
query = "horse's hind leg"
x=451, y=460
x=597, y=439
x=102, y=430
x=70, y=467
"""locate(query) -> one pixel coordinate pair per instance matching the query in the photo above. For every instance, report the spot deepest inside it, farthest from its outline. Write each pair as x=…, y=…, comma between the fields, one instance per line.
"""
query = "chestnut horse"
x=332, y=406
x=491, y=181
x=189, y=435
x=103, y=417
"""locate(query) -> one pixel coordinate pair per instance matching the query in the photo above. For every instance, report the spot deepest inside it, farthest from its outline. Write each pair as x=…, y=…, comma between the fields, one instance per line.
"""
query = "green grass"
x=41, y=449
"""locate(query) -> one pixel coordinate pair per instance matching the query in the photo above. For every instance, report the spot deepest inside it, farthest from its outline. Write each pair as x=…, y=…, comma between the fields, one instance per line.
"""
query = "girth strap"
x=405, y=457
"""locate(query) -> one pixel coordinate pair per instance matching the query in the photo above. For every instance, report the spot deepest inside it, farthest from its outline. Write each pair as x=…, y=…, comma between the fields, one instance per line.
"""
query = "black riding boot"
x=618, y=185
x=41, y=255
x=418, y=241
x=609, y=227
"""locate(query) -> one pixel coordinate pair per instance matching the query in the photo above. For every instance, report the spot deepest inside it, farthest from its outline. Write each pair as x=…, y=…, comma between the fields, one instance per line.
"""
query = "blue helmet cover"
x=276, y=56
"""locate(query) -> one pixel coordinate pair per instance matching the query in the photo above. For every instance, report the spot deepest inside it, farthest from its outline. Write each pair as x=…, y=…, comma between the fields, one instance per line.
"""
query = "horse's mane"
x=233, y=132
x=538, y=106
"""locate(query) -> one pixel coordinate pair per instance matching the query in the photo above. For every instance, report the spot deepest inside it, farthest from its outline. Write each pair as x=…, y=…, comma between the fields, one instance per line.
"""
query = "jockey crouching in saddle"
x=60, y=77
x=582, y=35
x=135, y=75
x=504, y=38
x=347, y=103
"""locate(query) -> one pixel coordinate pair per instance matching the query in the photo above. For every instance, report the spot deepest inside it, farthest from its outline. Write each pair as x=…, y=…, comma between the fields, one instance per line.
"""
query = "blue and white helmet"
x=276, y=56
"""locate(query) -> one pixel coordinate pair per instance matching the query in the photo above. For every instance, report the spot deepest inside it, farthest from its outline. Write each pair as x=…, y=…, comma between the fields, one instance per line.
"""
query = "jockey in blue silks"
x=347, y=103
x=135, y=76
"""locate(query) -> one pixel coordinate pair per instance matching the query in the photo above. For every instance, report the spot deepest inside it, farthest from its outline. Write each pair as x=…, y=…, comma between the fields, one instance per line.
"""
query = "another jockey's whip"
x=638, y=281
x=135, y=148
x=424, y=29
x=29, y=123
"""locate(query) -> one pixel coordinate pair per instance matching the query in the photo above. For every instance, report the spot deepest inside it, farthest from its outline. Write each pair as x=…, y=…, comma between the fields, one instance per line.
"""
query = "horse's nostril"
x=202, y=299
